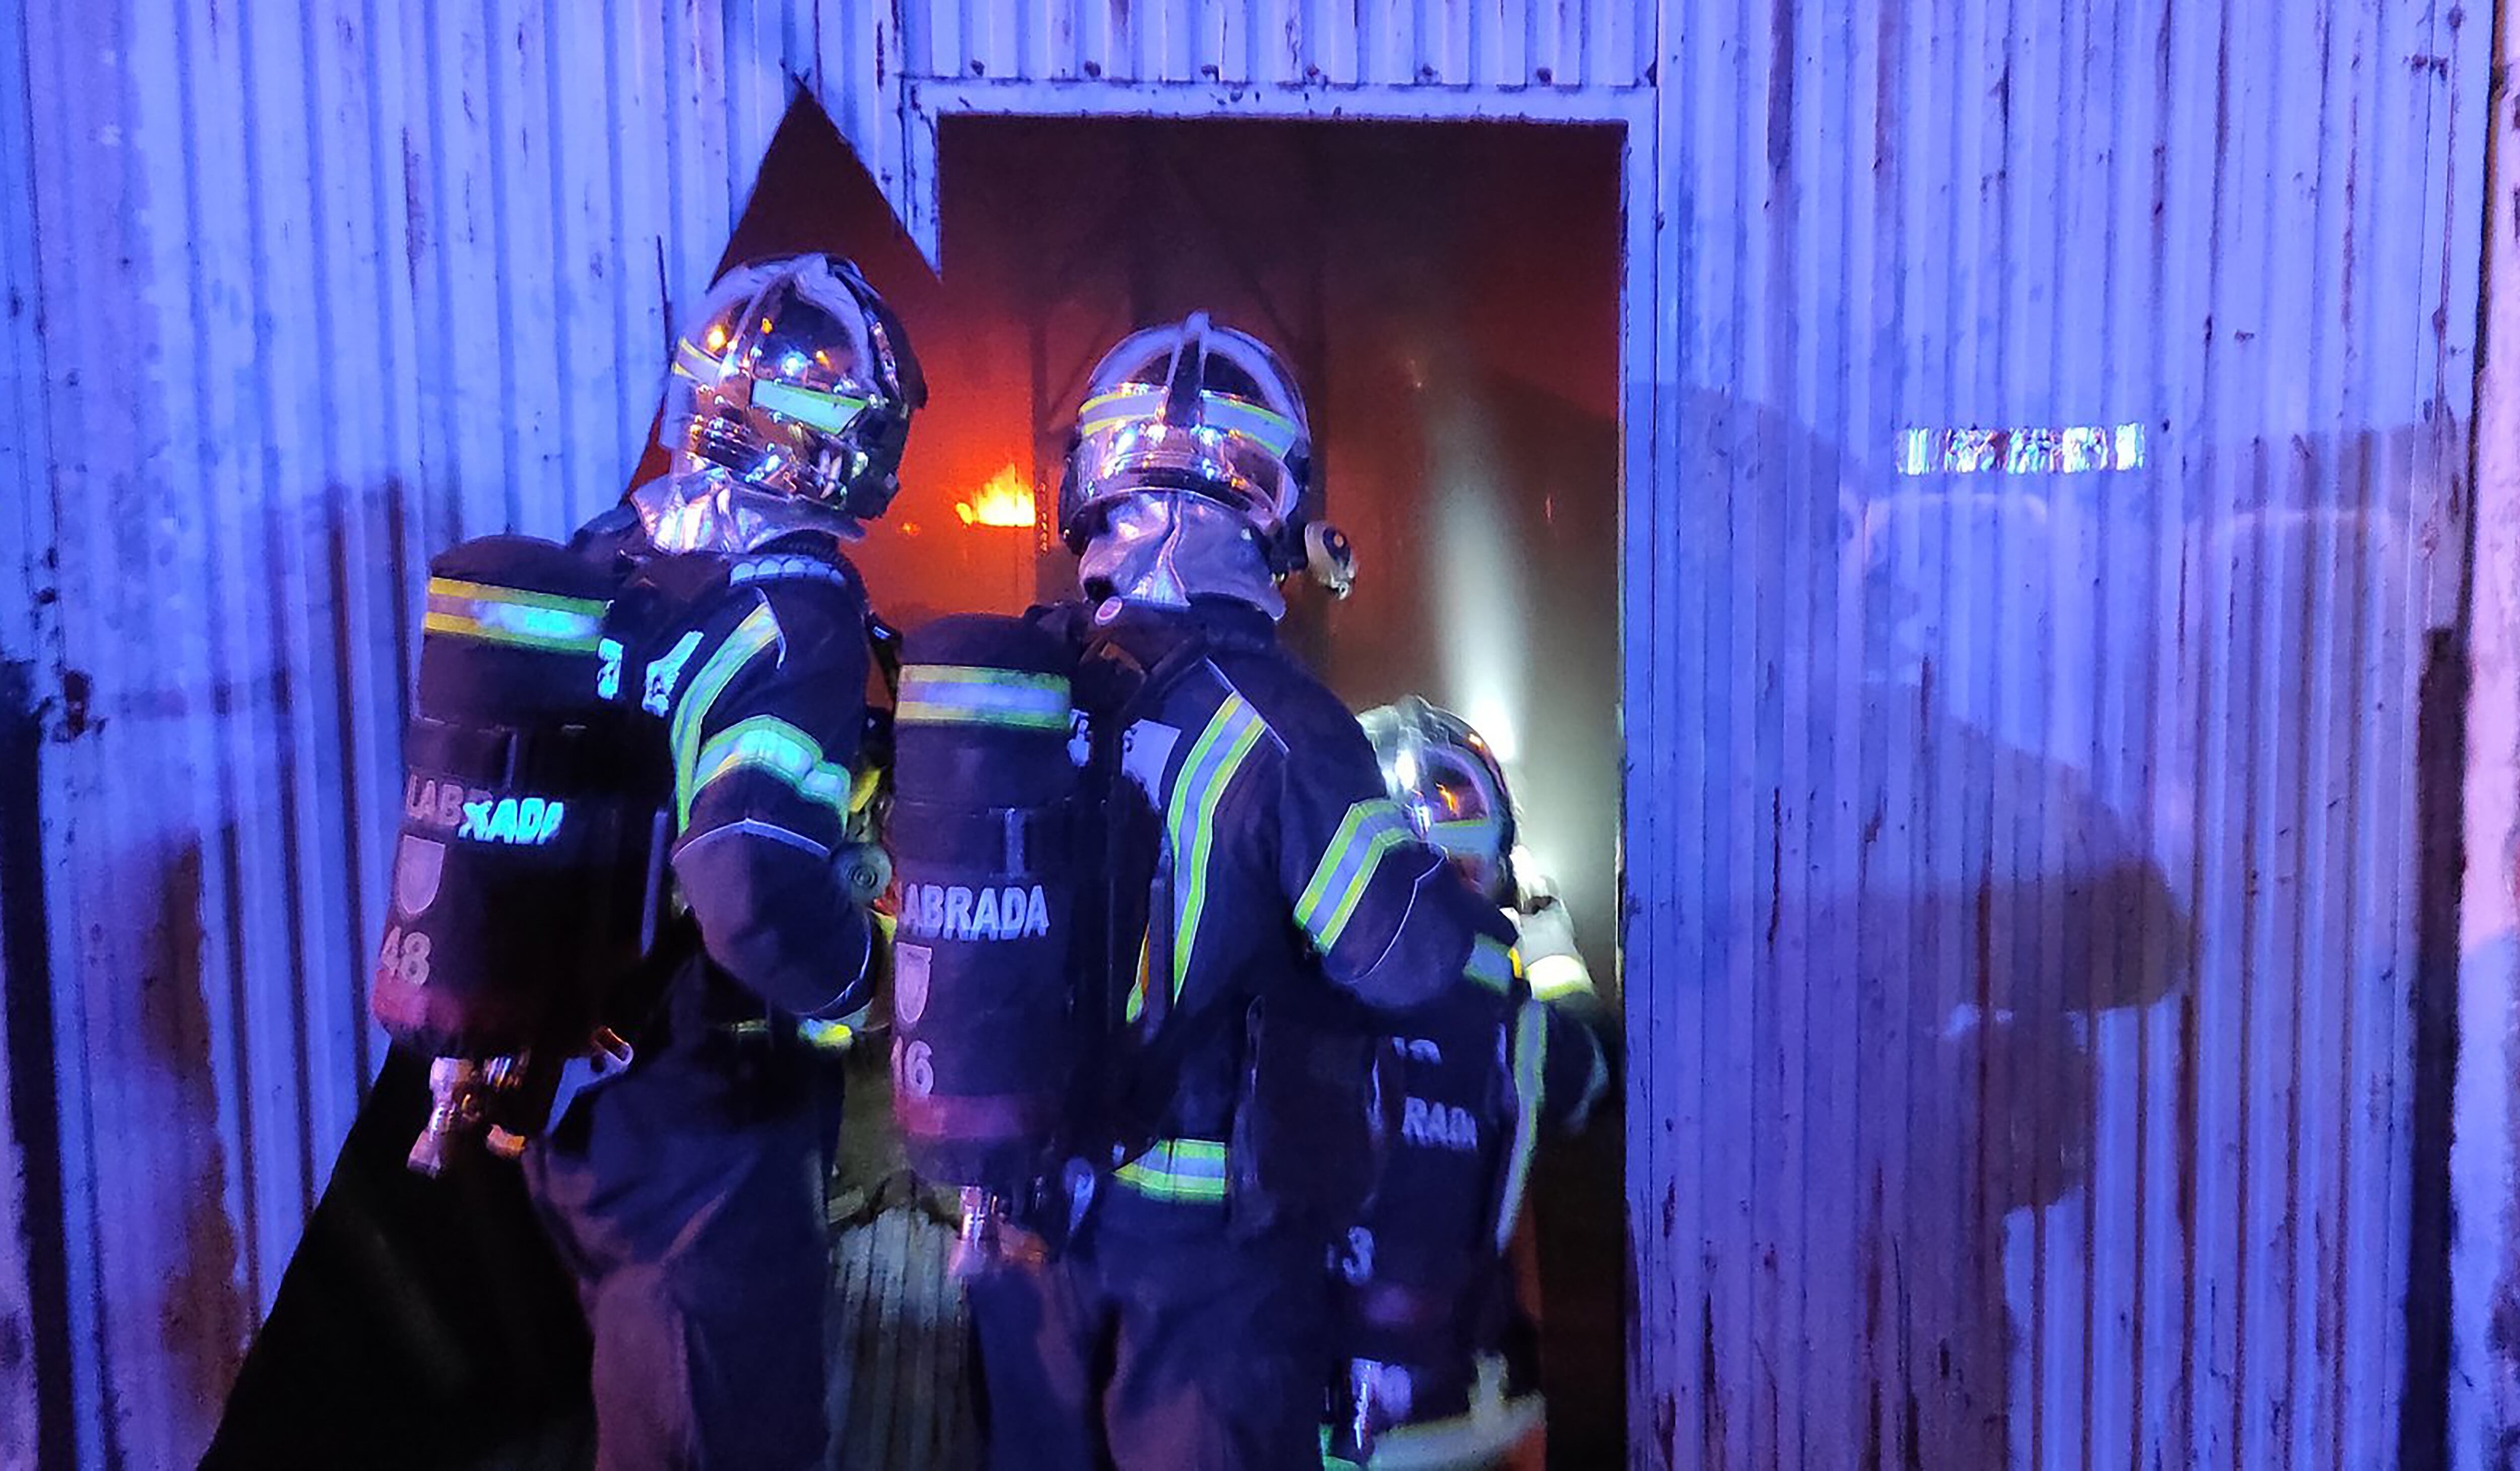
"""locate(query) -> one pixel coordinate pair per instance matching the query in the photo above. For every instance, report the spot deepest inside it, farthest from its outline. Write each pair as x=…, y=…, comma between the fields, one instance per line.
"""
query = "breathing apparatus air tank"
x=985, y=1034
x=526, y=874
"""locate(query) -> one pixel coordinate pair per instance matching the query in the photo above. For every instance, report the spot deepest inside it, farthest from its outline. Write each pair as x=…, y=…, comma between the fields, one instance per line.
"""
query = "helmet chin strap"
x=703, y=508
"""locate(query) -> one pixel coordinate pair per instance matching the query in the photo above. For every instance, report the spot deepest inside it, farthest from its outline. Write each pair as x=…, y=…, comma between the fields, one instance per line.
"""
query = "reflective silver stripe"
x=1271, y=431
x=758, y=631
x=769, y=745
x=1555, y=975
x=1120, y=404
x=832, y=413
x=1530, y=1071
x=972, y=695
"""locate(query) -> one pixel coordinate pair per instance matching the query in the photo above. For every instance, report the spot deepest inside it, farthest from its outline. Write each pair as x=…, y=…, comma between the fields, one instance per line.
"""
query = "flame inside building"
x=1007, y=500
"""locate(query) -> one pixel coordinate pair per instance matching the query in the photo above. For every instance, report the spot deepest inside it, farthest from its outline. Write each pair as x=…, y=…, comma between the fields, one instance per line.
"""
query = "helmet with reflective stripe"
x=1200, y=409
x=1448, y=782
x=796, y=378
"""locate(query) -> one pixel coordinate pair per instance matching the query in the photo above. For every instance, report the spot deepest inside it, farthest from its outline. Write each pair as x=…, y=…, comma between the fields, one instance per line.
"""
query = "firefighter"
x=687, y=1194
x=1439, y=1360
x=1183, y=1324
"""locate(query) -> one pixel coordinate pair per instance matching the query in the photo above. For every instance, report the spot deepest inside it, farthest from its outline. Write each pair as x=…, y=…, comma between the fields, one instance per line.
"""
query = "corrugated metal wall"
x=2022, y=864
x=26, y=531
x=2484, y=1413
x=2021, y=926
x=323, y=287
x=1442, y=43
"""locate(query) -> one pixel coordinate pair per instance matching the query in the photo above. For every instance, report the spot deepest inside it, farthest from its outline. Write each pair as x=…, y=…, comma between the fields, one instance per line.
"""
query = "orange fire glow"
x=1005, y=501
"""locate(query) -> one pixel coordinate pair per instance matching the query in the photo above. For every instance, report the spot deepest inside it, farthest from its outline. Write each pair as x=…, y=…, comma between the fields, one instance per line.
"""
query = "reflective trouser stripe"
x=1179, y=1171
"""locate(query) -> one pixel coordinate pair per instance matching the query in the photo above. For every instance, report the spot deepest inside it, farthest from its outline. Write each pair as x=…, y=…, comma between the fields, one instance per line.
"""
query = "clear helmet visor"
x=1125, y=456
x=1226, y=449
x=1455, y=811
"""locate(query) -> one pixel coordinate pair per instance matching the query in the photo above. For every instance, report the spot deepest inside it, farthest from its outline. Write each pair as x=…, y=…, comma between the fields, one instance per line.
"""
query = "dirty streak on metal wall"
x=2025, y=860
x=326, y=287
x=1450, y=43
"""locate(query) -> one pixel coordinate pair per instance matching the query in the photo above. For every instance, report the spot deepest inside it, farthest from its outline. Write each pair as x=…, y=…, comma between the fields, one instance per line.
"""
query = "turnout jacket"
x=757, y=666
x=1283, y=863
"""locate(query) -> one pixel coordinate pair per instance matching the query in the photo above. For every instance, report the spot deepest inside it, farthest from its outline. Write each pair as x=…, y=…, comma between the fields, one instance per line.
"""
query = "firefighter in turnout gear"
x=1439, y=1362
x=686, y=1193
x=1253, y=876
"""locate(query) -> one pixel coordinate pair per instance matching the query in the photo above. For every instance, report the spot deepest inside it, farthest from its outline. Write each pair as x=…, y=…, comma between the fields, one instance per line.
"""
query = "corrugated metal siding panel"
x=25, y=533
x=1484, y=44
x=325, y=287
x=2122, y=763
x=2484, y=1413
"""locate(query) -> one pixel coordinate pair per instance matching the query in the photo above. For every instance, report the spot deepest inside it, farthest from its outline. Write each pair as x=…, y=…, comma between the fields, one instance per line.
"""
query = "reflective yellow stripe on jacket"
x=514, y=616
x=1188, y=1171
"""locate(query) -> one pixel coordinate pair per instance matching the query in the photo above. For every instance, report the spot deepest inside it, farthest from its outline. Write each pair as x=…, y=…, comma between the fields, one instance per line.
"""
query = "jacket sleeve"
x=764, y=740
x=1392, y=920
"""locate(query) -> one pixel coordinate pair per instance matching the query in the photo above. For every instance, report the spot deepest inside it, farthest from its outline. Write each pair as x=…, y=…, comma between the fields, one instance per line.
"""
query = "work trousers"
x=687, y=1199
x=1156, y=1342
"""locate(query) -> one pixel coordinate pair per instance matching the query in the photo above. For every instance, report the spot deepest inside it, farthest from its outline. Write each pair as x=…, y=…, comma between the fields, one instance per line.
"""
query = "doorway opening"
x=1448, y=296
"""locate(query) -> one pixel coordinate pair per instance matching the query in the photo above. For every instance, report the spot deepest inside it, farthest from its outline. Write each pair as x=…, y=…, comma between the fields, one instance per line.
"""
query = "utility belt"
x=702, y=1014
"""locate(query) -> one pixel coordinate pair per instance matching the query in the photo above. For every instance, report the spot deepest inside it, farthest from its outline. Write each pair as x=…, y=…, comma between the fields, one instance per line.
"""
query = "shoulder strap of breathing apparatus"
x=1126, y=926
x=662, y=600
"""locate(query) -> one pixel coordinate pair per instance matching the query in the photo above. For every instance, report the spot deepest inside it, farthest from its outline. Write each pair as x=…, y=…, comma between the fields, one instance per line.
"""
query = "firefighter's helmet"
x=1451, y=785
x=1196, y=408
x=796, y=378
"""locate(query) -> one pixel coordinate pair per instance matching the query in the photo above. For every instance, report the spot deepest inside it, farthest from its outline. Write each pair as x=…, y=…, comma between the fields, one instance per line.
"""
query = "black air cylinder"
x=985, y=1042
x=529, y=806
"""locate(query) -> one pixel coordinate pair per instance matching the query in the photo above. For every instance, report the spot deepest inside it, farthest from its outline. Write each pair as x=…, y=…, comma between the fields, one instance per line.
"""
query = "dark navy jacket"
x=761, y=683
x=1285, y=864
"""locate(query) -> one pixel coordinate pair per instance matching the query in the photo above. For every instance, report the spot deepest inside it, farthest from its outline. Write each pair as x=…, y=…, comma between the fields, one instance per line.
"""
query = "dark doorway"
x=1449, y=296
